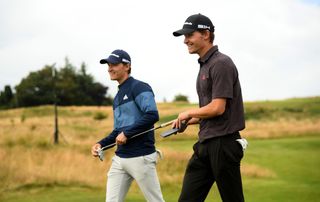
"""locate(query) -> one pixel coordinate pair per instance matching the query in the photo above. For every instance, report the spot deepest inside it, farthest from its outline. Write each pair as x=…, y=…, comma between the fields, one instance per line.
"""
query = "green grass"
x=295, y=162
x=298, y=108
x=54, y=194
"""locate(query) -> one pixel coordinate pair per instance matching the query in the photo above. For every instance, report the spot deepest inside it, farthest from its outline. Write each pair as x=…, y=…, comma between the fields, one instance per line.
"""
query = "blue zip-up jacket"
x=134, y=111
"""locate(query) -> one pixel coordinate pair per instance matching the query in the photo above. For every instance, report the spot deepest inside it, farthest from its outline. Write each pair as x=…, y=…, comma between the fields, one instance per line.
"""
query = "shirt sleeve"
x=144, y=99
x=223, y=76
x=110, y=139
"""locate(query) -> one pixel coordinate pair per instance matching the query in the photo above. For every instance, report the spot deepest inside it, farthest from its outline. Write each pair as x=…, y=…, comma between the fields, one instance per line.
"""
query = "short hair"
x=202, y=31
x=129, y=65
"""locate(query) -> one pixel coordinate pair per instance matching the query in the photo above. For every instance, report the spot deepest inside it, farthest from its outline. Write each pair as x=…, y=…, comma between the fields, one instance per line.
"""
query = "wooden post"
x=56, y=127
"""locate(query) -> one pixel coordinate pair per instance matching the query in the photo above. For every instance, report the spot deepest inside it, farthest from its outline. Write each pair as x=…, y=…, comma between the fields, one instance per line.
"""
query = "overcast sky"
x=275, y=44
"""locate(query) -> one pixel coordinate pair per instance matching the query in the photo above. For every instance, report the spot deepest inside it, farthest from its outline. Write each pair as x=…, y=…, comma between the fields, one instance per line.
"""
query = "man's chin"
x=191, y=51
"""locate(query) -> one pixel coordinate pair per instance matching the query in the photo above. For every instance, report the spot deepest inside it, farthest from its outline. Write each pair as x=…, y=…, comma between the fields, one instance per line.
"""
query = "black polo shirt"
x=218, y=78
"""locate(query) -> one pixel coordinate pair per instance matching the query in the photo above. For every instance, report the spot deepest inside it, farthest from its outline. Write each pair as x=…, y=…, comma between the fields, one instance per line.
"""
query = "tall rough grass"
x=29, y=157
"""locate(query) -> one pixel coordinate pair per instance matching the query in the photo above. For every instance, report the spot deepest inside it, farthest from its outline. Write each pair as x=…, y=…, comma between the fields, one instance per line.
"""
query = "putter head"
x=100, y=154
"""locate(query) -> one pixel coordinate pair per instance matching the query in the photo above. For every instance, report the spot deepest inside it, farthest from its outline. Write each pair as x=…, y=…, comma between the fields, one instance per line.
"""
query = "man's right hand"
x=94, y=149
x=183, y=126
x=180, y=125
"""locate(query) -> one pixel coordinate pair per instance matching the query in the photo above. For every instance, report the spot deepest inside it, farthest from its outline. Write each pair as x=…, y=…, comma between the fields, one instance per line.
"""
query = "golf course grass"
x=293, y=162
x=281, y=162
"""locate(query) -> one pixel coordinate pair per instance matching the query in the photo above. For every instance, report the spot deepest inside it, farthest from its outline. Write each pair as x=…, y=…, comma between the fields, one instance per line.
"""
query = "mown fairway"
x=281, y=164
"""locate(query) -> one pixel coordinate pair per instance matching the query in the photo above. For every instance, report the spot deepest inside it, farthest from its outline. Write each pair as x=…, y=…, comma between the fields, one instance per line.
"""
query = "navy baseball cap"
x=193, y=23
x=116, y=57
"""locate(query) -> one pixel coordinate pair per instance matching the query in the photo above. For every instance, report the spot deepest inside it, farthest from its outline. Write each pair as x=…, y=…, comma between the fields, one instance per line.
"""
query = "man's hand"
x=183, y=125
x=183, y=118
x=94, y=149
x=182, y=121
x=121, y=139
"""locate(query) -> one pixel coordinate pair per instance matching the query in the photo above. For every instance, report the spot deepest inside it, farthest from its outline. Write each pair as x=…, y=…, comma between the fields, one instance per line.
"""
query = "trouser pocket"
x=150, y=159
x=232, y=150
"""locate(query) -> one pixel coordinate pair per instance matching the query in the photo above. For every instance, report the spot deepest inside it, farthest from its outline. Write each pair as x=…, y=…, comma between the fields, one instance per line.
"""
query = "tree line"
x=65, y=86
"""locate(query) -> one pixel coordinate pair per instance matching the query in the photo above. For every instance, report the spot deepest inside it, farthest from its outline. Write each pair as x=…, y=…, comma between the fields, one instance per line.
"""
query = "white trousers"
x=124, y=170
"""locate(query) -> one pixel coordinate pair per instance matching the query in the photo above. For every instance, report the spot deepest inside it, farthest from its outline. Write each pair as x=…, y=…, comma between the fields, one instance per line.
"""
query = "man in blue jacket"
x=134, y=111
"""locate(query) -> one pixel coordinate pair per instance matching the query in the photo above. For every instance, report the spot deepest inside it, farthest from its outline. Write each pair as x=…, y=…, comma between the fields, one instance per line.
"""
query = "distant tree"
x=36, y=88
x=6, y=97
x=181, y=98
x=94, y=93
x=108, y=100
x=66, y=85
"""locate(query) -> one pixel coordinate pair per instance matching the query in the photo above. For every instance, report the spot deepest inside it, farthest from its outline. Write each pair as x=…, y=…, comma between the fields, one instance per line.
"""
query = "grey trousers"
x=124, y=170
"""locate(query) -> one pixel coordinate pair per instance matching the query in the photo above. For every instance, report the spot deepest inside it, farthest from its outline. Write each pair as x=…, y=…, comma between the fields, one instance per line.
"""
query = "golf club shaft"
x=144, y=132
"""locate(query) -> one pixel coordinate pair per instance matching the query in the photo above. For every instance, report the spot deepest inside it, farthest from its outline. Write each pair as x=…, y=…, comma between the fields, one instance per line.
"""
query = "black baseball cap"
x=193, y=23
x=116, y=57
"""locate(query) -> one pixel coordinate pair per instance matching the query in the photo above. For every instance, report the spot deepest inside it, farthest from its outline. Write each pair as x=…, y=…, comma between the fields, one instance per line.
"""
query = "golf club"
x=100, y=151
x=174, y=130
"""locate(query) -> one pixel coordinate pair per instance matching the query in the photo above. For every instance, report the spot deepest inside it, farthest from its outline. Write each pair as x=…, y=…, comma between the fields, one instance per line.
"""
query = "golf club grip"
x=166, y=124
x=170, y=132
x=174, y=131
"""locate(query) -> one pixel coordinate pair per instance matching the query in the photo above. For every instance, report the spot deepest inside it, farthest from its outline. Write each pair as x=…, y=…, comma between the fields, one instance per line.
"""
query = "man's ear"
x=128, y=67
x=206, y=34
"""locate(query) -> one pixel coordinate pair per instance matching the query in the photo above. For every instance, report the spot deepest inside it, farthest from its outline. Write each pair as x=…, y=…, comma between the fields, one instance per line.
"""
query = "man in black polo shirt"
x=218, y=152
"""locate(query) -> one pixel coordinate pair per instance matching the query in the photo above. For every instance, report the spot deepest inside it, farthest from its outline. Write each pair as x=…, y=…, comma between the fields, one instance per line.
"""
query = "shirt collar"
x=208, y=55
x=125, y=82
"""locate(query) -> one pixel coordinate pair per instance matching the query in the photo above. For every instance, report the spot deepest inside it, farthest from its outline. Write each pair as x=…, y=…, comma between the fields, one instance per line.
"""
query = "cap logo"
x=114, y=55
x=125, y=60
x=188, y=23
x=203, y=27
